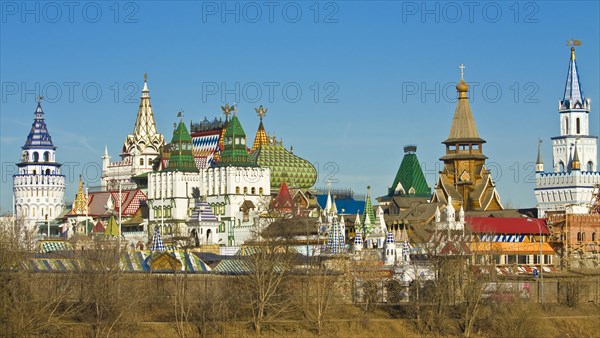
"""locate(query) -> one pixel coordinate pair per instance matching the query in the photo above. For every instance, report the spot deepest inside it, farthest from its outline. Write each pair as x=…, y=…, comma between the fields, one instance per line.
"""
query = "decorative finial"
x=145, y=77
x=180, y=114
x=40, y=99
x=462, y=71
x=226, y=110
x=261, y=111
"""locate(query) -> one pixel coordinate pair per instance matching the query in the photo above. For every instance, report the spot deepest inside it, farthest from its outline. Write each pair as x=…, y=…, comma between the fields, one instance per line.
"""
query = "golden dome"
x=462, y=86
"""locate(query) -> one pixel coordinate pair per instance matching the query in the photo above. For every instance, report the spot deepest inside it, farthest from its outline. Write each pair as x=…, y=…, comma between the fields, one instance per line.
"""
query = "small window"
x=561, y=167
x=47, y=171
x=141, y=161
x=566, y=126
x=253, y=191
x=36, y=157
x=578, y=125
x=245, y=190
x=260, y=191
x=47, y=156
x=237, y=190
x=593, y=236
x=590, y=166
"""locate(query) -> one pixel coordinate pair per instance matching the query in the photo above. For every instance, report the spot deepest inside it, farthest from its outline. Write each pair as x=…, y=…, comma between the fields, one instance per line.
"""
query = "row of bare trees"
x=274, y=285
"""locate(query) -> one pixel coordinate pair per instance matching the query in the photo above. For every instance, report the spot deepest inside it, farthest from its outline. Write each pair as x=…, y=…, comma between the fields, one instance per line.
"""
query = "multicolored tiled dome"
x=284, y=166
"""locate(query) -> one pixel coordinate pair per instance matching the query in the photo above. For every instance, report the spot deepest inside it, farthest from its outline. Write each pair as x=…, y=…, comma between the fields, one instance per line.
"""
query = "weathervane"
x=574, y=42
x=261, y=111
x=462, y=71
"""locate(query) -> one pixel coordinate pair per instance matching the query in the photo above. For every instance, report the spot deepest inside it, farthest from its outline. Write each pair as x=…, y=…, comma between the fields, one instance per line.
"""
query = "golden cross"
x=462, y=71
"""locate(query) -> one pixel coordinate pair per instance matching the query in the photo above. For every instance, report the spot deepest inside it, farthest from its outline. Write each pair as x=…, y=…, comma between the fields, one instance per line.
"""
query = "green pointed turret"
x=235, y=151
x=368, y=217
x=181, y=158
x=410, y=179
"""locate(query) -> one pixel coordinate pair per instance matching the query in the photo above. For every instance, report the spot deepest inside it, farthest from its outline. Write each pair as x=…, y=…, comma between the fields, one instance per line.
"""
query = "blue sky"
x=373, y=77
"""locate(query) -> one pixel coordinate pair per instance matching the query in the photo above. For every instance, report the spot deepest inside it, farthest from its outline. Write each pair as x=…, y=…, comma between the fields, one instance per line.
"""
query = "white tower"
x=570, y=183
x=574, y=111
x=39, y=188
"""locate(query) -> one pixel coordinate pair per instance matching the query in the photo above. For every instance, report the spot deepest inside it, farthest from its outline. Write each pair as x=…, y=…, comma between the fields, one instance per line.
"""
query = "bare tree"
x=265, y=283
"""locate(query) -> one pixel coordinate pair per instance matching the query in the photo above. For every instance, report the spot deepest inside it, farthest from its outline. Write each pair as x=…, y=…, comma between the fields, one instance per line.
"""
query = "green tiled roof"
x=181, y=157
x=235, y=151
x=285, y=166
x=410, y=176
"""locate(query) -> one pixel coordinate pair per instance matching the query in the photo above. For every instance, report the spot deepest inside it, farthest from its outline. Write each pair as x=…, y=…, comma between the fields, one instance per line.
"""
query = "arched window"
x=260, y=191
x=583, y=237
x=590, y=166
x=245, y=190
x=33, y=212
x=46, y=156
x=578, y=125
x=579, y=236
x=36, y=156
x=253, y=191
x=593, y=236
x=566, y=126
x=142, y=161
x=237, y=190
x=561, y=167
x=47, y=171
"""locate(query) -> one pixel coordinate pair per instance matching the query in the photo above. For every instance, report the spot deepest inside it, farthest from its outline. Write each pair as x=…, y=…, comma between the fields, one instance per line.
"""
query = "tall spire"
x=463, y=124
x=539, y=164
x=573, y=96
x=261, y=136
x=144, y=132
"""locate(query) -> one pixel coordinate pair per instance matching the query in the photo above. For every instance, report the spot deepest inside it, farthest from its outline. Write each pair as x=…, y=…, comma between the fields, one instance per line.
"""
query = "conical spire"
x=39, y=137
x=261, y=136
x=368, y=214
x=539, y=164
x=157, y=242
x=575, y=163
x=80, y=204
x=463, y=124
x=573, y=97
x=144, y=132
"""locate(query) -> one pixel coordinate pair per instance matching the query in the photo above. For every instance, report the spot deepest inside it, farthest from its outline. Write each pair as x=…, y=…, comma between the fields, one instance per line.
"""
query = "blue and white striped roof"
x=39, y=137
